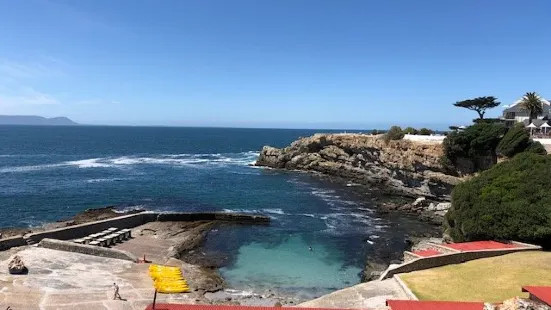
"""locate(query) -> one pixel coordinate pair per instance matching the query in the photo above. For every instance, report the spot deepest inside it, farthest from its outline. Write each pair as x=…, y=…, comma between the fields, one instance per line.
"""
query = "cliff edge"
x=400, y=167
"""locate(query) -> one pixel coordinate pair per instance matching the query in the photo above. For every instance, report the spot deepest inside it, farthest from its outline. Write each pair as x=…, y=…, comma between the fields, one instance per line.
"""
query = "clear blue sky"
x=283, y=63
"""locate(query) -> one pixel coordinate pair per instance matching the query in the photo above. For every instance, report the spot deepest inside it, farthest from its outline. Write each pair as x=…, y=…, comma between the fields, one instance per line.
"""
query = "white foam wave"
x=105, y=180
x=274, y=211
x=189, y=160
x=87, y=163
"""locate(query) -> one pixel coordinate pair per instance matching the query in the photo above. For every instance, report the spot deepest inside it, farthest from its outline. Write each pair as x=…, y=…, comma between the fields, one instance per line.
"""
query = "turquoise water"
x=50, y=173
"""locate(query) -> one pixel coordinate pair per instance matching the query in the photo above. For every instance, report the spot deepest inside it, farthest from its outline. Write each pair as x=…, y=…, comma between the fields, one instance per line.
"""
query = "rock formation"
x=16, y=266
x=401, y=167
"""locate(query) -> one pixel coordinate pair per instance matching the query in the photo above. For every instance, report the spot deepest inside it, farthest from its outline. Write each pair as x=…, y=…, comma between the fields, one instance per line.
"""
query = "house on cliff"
x=515, y=114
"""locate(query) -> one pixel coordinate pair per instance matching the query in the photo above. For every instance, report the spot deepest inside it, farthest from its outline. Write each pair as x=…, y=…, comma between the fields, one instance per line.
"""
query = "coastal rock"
x=401, y=167
x=443, y=206
x=16, y=266
x=518, y=304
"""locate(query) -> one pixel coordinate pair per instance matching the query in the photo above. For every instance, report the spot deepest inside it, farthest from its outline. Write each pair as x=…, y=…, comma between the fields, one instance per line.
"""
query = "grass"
x=490, y=279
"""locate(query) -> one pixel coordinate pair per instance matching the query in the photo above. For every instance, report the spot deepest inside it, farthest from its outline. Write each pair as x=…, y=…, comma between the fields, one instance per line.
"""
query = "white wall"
x=420, y=138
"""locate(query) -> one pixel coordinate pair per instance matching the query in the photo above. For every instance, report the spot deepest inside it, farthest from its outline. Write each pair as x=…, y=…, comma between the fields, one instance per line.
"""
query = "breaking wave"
x=187, y=160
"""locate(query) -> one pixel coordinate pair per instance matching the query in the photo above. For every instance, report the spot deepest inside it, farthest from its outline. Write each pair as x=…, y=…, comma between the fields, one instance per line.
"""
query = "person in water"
x=310, y=248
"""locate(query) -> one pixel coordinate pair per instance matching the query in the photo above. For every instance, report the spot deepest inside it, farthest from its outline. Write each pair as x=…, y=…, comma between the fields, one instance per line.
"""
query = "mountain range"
x=34, y=120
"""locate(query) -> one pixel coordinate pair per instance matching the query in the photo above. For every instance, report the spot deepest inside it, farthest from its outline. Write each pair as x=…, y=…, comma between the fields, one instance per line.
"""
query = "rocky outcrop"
x=16, y=266
x=400, y=167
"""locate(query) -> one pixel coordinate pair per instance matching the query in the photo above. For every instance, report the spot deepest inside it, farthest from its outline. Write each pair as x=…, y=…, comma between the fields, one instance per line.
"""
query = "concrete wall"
x=83, y=230
x=6, y=243
x=212, y=216
x=86, y=249
x=420, y=138
x=449, y=259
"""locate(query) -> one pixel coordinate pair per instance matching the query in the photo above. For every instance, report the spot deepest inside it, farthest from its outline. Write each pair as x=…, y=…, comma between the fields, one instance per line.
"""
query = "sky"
x=258, y=63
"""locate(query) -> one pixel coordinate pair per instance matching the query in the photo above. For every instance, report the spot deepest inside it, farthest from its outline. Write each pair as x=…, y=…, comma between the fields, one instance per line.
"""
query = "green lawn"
x=490, y=279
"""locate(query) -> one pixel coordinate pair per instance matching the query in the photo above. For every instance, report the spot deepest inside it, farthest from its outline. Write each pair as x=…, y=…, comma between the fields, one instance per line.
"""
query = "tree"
x=510, y=201
x=532, y=103
x=425, y=132
x=472, y=149
x=394, y=133
x=479, y=104
x=410, y=131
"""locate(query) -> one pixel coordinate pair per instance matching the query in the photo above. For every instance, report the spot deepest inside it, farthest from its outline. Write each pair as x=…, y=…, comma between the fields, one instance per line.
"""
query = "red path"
x=433, y=305
x=479, y=245
x=427, y=253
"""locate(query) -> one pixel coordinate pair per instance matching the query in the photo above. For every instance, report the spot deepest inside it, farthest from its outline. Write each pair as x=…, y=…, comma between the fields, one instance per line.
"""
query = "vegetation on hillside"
x=394, y=133
x=472, y=149
x=517, y=140
x=510, y=201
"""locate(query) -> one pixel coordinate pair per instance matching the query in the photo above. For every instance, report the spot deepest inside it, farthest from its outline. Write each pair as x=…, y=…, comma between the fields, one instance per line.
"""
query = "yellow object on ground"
x=167, y=279
x=489, y=279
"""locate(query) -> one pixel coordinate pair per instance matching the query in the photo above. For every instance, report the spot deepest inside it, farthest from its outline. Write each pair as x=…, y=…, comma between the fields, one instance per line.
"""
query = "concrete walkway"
x=64, y=280
x=369, y=295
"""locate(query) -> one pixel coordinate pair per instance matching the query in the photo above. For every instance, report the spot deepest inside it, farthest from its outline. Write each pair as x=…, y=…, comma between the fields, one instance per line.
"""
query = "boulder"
x=518, y=304
x=16, y=266
x=443, y=206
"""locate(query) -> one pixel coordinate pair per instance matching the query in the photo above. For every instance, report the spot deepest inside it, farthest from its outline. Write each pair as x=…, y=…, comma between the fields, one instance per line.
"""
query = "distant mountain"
x=34, y=120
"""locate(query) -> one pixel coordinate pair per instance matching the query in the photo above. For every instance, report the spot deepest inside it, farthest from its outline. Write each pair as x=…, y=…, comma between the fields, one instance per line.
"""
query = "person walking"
x=116, y=294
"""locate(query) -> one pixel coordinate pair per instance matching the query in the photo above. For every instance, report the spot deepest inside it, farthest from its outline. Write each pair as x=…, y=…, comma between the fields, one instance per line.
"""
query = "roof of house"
x=479, y=245
x=543, y=293
x=538, y=122
x=433, y=305
x=514, y=107
x=159, y=306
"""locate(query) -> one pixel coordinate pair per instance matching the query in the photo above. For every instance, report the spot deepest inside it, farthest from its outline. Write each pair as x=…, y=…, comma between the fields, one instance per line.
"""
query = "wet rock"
x=16, y=266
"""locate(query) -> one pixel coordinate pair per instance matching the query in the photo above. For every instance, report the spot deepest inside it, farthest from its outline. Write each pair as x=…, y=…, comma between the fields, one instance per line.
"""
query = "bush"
x=510, y=201
x=410, y=131
x=425, y=132
x=487, y=121
x=476, y=144
x=516, y=140
x=394, y=133
x=536, y=148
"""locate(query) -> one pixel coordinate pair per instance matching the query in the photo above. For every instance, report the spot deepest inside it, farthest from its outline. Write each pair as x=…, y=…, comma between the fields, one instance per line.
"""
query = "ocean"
x=52, y=173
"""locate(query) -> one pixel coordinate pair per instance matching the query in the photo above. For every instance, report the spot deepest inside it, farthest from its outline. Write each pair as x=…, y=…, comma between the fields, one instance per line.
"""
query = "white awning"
x=532, y=125
x=545, y=125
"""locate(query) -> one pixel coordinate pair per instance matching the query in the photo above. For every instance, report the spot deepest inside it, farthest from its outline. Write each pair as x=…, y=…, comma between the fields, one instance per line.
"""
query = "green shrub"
x=425, y=132
x=536, y=148
x=512, y=201
x=476, y=145
x=410, y=131
x=516, y=140
x=394, y=133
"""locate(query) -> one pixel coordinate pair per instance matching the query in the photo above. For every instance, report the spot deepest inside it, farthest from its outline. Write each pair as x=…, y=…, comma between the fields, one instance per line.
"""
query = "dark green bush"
x=512, y=201
x=394, y=133
x=516, y=140
x=410, y=131
x=425, y=132
x=536, y=148
x=487, y=121
x=476, y=145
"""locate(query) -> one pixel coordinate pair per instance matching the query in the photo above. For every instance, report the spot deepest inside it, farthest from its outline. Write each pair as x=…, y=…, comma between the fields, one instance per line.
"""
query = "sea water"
x=51, y=173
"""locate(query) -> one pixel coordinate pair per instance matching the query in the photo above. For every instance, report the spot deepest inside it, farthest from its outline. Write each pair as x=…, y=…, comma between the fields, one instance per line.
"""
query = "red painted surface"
x=542, y=293
x=433, y=305
x=427, y=253
x=479, y=245
x=216, y=307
